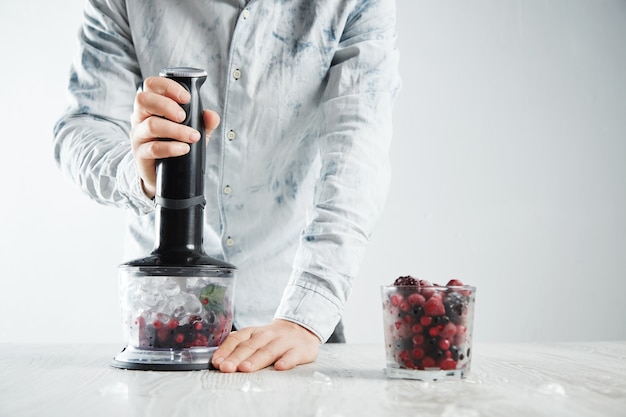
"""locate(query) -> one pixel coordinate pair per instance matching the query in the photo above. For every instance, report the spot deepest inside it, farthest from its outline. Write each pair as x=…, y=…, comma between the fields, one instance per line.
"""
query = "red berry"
x=444, y=344
x=157, y=324
x=426, y=320
x=416, y=299
x=205, y=301
x=404, y=306
x=454, y=283
x=180, y=338
x=172, y=324
x=426, y=288
x=198, y=326
x=428, y=362
x=433, y=331
x=418, y=340
x=395, y=300
x=418, y=353
x=447, y=364
x=417, y=328
x=434, y=307
x=449, y=330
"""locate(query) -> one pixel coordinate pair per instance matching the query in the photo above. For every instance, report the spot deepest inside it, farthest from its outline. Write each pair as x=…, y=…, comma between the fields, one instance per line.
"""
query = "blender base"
x=188, y=359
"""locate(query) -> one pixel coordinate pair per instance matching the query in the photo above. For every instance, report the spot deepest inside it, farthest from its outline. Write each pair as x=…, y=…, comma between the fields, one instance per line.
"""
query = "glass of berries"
x=428, y=328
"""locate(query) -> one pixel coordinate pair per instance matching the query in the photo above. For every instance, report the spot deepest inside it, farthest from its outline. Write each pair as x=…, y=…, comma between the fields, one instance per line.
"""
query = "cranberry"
x=418, y=353
x=447, y=364
x=418, y=339
x=444, y=344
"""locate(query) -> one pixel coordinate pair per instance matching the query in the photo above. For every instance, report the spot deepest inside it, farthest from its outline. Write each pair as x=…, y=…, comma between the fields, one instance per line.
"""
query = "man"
x=299, y=99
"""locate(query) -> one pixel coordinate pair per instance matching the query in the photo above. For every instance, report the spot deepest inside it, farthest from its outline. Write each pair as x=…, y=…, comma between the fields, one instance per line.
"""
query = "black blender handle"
x=180, y=180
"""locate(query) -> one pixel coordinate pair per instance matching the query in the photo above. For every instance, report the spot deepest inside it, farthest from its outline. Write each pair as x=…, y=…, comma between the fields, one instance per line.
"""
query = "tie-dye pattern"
x=302, y=145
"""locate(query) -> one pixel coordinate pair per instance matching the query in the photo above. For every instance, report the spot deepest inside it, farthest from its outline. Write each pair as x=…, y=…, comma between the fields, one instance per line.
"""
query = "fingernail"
x=184, y=96
x=182, y=115
x=195, y=135
x=218, y=361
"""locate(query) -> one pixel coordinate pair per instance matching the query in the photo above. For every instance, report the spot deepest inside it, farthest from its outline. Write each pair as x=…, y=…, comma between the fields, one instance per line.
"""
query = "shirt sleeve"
x=355, y=135
x=91, y=139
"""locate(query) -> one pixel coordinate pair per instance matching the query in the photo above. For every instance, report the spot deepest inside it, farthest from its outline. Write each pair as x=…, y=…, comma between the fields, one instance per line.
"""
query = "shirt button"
x=230, y=241
x=230, y=135
x=245, y=14
x=227, y=189
x=236, y=74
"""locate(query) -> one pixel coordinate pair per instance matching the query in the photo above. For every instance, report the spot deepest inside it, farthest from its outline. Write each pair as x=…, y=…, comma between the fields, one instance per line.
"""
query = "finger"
x=157, y=127
x=151, y=104
x=211, y=122
x=227, y=346
x=147, y=152
x=244, y=350
x=167, y=87
x=295, y=357
x=262, y=357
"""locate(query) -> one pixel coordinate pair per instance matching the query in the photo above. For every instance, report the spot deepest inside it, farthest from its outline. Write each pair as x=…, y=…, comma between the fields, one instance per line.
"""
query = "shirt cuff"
x=141, y=203
x=311, y=306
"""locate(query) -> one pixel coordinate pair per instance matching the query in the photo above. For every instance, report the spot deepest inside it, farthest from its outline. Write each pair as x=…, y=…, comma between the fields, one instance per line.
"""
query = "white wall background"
x=509, y=173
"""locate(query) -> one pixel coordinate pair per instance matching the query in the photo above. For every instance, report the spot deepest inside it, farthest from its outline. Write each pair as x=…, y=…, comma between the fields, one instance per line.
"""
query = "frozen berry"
x=444, y=344
x=447, y=364
x=428, y=362
x=434, y=307
x=454, y=283
x=416, y=299
x=448, y=331
x=418, y=353
x=406, y=280
x=396, y=300
x=455, y=306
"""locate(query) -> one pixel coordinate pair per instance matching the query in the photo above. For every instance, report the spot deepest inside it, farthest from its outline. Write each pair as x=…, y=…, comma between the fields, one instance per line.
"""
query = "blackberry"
x=455, y=305
x=406, y=280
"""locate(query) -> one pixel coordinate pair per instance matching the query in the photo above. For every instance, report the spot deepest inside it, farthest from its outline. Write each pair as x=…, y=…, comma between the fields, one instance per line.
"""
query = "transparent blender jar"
x=174, y=318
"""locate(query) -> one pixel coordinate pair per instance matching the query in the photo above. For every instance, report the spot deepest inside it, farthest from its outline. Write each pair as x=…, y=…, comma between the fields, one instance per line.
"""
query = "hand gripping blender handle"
x=180, y=180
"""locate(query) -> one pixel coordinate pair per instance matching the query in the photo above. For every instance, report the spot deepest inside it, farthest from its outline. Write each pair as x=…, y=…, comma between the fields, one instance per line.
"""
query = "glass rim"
x=440, y=287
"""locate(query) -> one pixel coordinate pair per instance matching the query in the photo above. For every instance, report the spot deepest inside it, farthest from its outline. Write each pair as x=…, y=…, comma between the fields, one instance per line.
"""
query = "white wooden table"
x=509, y=380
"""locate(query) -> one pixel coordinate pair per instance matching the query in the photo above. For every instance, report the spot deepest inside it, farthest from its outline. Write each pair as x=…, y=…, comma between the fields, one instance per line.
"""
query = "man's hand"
x=157, y=114
x=282, y=343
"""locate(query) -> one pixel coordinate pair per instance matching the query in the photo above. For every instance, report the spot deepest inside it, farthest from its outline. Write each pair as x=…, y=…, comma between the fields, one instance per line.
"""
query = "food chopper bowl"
x=174, y=317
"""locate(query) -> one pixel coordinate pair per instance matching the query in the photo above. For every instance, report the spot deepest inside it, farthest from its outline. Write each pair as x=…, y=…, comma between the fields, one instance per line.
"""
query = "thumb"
x=211, y=122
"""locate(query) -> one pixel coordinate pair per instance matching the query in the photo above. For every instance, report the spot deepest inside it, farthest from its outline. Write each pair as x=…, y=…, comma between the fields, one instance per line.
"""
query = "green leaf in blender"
x=212, y=297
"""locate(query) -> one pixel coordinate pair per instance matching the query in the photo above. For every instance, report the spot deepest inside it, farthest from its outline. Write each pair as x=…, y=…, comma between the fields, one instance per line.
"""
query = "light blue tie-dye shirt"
x=298, y=170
